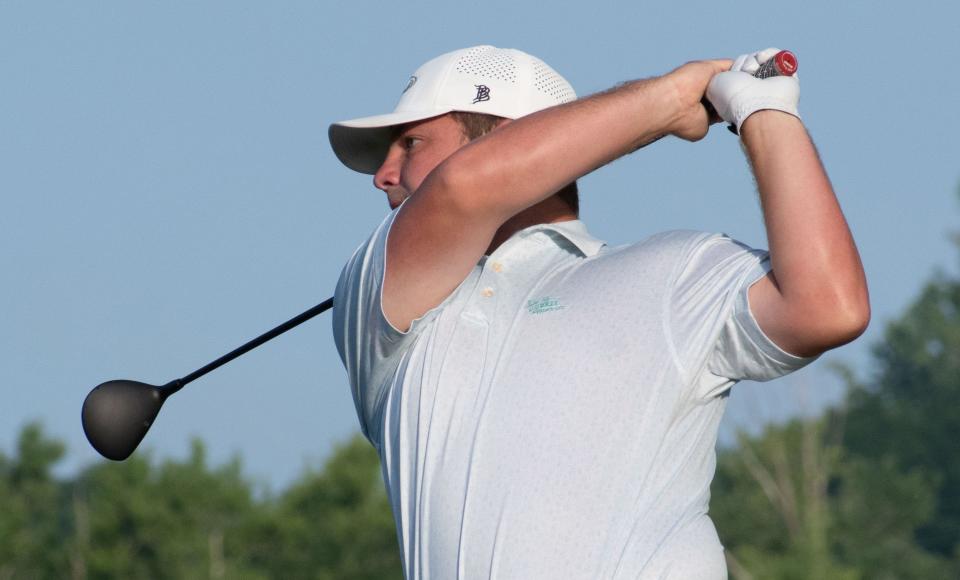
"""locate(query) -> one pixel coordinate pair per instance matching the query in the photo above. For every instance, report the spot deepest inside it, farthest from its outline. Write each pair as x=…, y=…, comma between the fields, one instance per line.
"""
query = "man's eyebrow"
x=396, y=131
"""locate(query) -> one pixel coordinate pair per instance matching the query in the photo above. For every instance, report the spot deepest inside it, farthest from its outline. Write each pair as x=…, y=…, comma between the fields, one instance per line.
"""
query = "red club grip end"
x=784, y=63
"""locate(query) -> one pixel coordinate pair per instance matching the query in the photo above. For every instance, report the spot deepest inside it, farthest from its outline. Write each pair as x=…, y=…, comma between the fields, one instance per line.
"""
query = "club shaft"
x=176, y=385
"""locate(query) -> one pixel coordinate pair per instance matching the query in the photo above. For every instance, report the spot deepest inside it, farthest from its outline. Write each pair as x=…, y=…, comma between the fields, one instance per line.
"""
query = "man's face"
x=416, y=150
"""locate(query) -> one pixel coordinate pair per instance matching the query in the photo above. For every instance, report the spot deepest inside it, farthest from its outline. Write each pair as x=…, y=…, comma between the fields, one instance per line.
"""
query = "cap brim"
x=362, y=144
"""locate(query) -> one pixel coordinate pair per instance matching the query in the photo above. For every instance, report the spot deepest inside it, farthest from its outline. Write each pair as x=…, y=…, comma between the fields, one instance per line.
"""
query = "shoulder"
x=367, y=260
x=656, y=260
x=691, y=246
x=678, y=240
x=673, y=256
x=668, y=246
x=358, y=289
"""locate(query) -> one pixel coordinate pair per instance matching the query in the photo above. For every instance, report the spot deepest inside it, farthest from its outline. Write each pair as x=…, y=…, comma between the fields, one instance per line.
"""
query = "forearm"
x=819, y=278
x=528, y=160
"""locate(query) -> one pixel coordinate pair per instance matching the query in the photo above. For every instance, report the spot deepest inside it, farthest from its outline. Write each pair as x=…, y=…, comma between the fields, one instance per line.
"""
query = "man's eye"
x=410, y=142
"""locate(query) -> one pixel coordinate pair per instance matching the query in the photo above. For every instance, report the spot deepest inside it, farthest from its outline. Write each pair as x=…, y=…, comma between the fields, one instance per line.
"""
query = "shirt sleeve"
x=369, y=346
x=717, y=338
x=743, y=351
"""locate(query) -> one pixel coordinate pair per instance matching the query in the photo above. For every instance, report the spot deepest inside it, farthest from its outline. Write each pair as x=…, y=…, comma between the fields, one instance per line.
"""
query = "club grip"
x=783, y=64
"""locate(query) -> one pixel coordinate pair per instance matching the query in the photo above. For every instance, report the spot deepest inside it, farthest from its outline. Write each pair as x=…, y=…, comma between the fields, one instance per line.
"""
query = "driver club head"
x=117, y=414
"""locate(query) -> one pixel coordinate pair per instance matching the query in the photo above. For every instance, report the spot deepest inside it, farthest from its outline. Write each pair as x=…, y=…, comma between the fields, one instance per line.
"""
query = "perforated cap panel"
x=488, y=62
x=548, y=81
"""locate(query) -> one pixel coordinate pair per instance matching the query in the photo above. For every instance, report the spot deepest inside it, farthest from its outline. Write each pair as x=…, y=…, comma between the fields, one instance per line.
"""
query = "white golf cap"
x=483, y=79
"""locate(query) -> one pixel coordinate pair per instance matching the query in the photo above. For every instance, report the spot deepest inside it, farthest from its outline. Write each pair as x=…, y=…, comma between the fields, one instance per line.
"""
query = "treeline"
x=869, y=490
x=181, y=520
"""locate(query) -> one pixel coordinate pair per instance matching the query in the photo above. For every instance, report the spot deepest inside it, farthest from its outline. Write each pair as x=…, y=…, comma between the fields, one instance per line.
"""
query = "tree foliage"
x=32, y=538
x=335, y=524
x=794, y=504
x=188, y=520
x=908, y=413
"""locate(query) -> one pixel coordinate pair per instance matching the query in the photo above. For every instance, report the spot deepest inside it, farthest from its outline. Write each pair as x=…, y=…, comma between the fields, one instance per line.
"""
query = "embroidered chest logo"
x=545, y=304
x=483, y=94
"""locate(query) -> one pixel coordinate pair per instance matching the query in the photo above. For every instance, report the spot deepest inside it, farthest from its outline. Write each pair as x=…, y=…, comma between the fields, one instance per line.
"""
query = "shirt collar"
x=574, y=231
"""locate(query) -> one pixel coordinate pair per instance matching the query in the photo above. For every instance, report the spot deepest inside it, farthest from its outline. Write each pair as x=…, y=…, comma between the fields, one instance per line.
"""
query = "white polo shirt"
x=556, y=416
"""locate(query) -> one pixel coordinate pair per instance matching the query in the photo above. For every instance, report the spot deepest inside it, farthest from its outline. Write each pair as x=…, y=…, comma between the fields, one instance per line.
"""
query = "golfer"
x=545, y=405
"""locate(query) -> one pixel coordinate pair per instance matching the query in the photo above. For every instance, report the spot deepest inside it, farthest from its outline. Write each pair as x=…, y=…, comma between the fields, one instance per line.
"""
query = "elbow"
x=477, y=185
x=812, y=328
x=809, y=319
x=458, y=189
x=846, y=321
x=854, y=310
x=851, y=321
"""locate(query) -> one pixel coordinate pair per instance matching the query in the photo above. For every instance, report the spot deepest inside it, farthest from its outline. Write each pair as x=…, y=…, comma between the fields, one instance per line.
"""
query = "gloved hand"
x=737, y=94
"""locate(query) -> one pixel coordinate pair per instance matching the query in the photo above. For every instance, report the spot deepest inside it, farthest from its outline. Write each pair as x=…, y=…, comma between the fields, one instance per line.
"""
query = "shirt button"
x=497, y=267
x=487, y=292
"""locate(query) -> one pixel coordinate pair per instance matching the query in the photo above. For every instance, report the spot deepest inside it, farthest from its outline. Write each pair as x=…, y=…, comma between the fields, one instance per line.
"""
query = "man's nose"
x=389, y=173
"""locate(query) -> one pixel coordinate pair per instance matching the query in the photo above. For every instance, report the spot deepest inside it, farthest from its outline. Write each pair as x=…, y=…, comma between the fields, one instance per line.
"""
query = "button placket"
x=497, y=268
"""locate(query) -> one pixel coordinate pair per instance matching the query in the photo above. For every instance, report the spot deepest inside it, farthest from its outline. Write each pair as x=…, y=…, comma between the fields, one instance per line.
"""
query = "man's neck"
x=549, y=211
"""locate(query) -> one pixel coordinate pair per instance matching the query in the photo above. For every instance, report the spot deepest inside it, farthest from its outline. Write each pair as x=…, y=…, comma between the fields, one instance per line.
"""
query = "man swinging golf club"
x=544, y=405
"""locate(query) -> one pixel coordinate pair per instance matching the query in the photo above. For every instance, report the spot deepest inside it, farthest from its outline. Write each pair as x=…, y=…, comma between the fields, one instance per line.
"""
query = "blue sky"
x=168, y=191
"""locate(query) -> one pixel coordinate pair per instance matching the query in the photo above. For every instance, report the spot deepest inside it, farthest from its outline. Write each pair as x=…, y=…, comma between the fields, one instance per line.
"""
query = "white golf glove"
x=737, y=94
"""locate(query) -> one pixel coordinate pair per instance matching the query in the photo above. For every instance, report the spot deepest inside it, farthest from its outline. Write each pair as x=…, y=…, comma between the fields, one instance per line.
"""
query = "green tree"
x=878, y=509
x=793, y=504
x=187, y=520
x=31, y=529
x=908, y=412
x=335, y=524
x=180, y=520
x=771, y=504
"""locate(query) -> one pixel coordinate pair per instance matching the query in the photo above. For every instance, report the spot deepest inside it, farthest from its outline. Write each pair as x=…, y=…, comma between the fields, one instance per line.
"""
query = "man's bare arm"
x=447, y=224
x=816, y=295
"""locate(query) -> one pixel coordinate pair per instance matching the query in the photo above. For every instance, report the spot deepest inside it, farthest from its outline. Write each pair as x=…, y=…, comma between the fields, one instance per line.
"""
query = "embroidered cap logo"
x=410, y=83
x=483, y=94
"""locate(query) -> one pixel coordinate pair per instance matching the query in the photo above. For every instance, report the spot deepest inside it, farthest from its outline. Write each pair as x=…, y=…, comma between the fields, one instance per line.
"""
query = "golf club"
x=117, y=414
